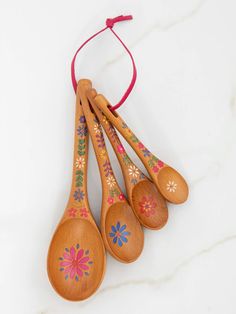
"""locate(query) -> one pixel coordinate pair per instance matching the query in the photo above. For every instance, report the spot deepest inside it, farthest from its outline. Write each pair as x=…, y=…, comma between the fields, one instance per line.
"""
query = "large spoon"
x=169, y=182
x=76, y=257
x=121, y=230
x=147, y=202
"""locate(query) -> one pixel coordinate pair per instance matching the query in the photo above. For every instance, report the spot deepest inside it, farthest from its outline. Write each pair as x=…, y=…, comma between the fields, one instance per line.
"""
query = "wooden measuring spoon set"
x=76, y=257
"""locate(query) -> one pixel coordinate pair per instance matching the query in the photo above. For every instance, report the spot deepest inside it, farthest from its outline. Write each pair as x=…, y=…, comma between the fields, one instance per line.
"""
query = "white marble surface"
x=185, y=52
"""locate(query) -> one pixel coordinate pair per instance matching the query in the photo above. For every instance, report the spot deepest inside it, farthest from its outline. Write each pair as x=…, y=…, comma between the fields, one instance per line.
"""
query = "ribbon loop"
x=109, y=25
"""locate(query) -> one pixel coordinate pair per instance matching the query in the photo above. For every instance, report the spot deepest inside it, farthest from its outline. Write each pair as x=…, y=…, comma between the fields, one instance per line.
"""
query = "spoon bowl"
x=170, y=182
x=149, y=205
x=75, y=259
x=121, y=226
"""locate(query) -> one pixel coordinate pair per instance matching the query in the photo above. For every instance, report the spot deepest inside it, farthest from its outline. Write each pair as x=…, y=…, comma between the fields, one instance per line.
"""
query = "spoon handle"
x=78, y=206
x=132, y=174
x=110, y=187
x=169, y=182
x=149, y=160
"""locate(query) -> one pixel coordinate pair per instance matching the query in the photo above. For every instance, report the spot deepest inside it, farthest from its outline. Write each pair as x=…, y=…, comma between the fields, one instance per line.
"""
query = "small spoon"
x=147, y=202
x=169, y=182
x=121, y=230
x=76, y=257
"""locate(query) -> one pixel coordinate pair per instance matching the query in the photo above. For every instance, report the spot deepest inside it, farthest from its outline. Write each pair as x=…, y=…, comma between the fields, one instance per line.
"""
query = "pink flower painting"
x=75, y=263
x=72, y=212
x=155, y=169
x=110, y=200
x=140, y=145
x=83, y=212
x=147, y=206
x=159, y=164
x=120, y=149
x=121, y=197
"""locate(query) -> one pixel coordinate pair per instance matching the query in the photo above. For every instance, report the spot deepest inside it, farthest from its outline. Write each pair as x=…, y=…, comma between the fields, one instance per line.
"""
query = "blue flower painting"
x=119, y=234
x=82, y=130
x=79, y=195
x=82, y=119
x=146, y=153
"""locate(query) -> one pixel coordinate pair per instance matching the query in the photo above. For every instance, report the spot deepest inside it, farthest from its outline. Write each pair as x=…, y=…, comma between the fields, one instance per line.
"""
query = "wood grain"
x=76, y=257
x=146, y=201
x=121, y=230
x=168, y=181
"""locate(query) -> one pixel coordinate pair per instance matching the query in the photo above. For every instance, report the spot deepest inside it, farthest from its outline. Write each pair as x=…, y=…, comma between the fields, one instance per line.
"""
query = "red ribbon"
x=109, y=24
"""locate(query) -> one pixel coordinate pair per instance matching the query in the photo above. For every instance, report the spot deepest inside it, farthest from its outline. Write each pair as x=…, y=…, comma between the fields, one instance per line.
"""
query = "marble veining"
x=158, y=282
x=158, y=26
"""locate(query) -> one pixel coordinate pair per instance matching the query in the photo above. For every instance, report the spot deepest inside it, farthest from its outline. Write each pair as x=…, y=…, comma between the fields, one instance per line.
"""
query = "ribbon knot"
x=110, y=22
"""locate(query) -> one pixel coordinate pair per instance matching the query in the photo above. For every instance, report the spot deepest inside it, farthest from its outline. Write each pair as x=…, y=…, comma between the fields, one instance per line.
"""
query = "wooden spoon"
x=147, y=202
x=121, y=230
x=169, y=182
x=76, y=257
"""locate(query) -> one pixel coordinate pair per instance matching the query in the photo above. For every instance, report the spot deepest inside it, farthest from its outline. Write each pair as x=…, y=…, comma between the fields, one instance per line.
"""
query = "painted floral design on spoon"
x=111, y=181
x=84, y=212
x=147, y=206
x=80, y=162
x=75, y=263
x=153, y=161
x=79, y=195
x=119, y=234
x=171, y=186
x=121, y=149
x=72, y=212
x=133, y=171
x=82, y=130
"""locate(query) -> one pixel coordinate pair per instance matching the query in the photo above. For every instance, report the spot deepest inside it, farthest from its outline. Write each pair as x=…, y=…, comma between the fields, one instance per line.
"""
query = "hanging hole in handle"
x=115, y=114
x=91, y=107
